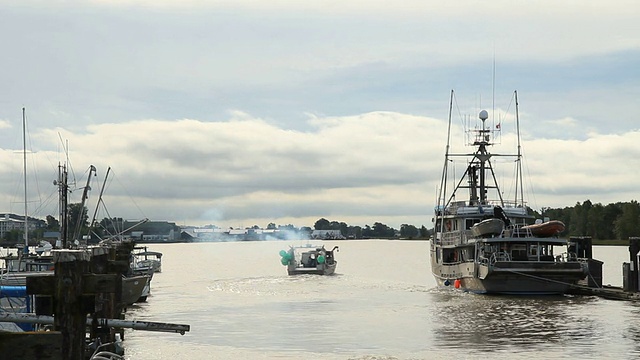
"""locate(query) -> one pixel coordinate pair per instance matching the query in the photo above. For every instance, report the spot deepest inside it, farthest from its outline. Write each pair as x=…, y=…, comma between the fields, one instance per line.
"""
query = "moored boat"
x=469, y=252
x=135, y=289
x=309, y=260
x=144, y=261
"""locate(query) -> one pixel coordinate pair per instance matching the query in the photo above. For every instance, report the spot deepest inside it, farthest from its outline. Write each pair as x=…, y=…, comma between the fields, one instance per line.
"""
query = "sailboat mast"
x=24, y=164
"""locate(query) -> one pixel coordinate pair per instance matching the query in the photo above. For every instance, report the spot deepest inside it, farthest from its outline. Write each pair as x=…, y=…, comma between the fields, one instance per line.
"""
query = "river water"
x=382, y=303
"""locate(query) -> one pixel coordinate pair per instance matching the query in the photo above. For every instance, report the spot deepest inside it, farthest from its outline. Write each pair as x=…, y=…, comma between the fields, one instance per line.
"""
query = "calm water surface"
x=381, y=304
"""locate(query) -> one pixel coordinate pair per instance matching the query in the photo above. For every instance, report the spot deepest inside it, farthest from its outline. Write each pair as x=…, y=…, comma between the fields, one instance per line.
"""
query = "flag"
x=498, y=126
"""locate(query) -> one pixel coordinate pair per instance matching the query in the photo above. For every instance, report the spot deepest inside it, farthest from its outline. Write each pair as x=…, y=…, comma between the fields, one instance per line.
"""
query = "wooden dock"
x=606, y=292
x=83, y=300
x=592, y=285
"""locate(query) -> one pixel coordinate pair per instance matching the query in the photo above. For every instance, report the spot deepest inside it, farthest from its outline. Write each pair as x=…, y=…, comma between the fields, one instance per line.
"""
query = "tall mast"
x=443, y=179
x=62, y=205
x=519, y=160
x=24, y=164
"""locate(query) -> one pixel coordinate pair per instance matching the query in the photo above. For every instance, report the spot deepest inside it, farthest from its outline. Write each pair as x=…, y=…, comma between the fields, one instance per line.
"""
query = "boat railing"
x=499, y=256
x=567, y=256
x=462, y=207
x=456, y=237
x=516, y=232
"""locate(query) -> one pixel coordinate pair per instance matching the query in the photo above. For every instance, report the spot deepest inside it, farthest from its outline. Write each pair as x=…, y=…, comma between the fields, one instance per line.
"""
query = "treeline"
x=378, y=230
x=617, y=221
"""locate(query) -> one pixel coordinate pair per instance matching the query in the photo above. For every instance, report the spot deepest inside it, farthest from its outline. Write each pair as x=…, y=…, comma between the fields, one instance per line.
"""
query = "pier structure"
x=592, y=284
x=82, y=300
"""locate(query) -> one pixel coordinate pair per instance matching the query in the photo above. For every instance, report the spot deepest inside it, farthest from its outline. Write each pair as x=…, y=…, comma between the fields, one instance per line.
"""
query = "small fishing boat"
x=488, y=227
x=309, y=259
x=144, y=261
x=545, y=229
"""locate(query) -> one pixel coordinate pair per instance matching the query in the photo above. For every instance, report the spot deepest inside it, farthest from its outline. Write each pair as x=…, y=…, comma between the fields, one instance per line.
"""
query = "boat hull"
x=309, y=260
x=133, y=288
x=319, y=270
x=517, y=278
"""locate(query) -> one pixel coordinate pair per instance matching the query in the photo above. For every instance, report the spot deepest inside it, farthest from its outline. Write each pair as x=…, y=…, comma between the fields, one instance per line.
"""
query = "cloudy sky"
x=241, y=113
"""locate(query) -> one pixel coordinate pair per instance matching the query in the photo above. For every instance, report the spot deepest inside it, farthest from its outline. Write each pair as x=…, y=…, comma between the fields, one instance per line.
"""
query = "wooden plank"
x=92, y=284
x=46, y=345
x=100, y=283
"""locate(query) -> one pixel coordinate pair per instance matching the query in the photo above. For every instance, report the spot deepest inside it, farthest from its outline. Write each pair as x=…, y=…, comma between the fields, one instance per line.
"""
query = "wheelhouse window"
x=470, y=222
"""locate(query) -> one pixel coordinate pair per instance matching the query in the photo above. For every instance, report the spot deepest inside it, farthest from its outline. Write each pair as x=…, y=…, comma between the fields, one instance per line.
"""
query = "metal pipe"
x=113, y=323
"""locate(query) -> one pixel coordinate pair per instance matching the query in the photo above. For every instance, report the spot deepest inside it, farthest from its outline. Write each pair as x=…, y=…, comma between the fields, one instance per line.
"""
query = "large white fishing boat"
x=479, y=243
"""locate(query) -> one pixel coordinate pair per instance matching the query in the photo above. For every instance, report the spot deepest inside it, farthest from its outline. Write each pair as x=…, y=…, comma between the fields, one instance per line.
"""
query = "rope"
x=542, y=278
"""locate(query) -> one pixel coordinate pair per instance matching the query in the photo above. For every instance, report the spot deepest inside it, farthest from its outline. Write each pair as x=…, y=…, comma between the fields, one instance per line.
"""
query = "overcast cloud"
x=242, y=113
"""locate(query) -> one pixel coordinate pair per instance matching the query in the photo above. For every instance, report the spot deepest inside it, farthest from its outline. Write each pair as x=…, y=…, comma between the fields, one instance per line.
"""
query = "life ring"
x=448, y=225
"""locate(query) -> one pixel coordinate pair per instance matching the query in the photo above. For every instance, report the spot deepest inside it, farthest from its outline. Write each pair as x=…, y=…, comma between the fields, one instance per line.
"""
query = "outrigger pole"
x=519, y=159
x=443, y=179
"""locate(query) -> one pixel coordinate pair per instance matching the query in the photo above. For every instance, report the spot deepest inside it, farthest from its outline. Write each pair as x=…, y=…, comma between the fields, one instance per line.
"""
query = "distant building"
x=9, y=222
x=326, y=234
x=251, y=234
x=147, y=232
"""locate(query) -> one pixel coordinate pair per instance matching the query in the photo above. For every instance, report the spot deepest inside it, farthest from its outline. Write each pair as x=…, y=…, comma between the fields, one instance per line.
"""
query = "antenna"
x=24, y=164
x=493, y=90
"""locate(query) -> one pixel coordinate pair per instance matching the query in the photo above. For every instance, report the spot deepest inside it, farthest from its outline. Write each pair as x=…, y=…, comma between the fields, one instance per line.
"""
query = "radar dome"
x=484, y=115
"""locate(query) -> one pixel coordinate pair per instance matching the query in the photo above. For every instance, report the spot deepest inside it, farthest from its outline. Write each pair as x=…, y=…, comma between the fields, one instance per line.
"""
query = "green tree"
x=382, y=230
x=78, y=216
x=14, y=236
x=610, y=214
x=628, y=223
x=595, y=221
x=367, y=232
x=408, y=231
x=354, y=232
x=343, y=227
x=52, y=223
x=424, y=232
x=322, y=224
x=578, y=223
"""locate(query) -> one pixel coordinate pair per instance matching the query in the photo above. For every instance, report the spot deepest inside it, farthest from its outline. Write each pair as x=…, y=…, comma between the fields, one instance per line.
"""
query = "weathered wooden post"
x=105, y=302
x=634, y=248
x=71, y=307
